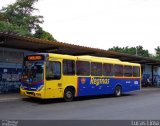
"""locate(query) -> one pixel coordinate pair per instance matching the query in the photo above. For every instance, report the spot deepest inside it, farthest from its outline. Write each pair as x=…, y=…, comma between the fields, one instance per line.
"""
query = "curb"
x=9, y=99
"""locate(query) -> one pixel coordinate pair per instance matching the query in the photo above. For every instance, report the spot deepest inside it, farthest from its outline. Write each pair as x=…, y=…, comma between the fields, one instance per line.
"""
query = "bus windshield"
x=33, y=71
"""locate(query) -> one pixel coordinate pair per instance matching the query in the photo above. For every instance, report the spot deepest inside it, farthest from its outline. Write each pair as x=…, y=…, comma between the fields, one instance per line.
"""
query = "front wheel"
x=118, y=91
x=68, y=94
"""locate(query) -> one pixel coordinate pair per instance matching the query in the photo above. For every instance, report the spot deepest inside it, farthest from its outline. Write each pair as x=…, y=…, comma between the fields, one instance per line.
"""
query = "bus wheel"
x=68, y=94
x=118, y=91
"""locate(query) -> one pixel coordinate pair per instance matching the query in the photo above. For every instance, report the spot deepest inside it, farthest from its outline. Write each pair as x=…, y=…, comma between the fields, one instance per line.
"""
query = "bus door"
x=53, y=79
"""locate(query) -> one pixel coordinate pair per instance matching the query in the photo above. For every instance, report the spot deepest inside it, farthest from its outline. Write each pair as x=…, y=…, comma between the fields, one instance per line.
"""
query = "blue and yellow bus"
x=47, y=75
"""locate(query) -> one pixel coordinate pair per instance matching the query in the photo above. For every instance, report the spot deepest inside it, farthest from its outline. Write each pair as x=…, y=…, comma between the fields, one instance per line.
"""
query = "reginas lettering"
x=98, y=81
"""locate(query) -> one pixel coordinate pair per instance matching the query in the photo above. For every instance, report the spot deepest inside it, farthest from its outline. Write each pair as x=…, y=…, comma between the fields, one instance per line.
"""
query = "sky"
x=102, y=23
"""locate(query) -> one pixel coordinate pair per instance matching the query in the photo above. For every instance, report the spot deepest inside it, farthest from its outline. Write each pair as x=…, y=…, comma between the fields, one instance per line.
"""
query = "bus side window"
x=68, y=67
x=136, y=71
x=118, y=70
x=128, y=71
x=53, y=70
x=96, y=69
x=107, y=69
x=82, y=68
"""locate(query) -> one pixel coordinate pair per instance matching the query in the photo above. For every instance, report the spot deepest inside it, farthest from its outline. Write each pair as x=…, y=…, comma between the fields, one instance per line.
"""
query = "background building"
x=11, y=61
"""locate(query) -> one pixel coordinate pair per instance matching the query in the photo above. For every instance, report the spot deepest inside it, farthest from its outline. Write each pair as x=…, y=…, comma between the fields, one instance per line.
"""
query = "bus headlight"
x=39, y=88
x=23, y=87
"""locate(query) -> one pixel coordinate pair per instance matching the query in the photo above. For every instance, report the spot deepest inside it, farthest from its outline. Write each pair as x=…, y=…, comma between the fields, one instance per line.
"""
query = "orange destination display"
x=34, y=57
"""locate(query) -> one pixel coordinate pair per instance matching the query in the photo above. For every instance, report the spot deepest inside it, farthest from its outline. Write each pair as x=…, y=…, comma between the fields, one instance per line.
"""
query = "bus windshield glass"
x=33, y=71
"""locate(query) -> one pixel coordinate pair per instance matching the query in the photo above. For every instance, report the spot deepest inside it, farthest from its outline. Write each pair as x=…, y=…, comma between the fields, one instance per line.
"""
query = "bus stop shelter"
x=22, y=43
x=11, y=40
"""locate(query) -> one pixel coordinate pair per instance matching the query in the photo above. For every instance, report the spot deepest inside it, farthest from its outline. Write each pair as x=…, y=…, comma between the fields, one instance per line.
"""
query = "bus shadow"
x=60, y=100
x=99, y=97
x=42, y=101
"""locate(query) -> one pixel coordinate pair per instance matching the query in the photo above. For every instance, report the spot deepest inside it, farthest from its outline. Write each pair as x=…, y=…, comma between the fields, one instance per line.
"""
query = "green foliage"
x=157, y=52
x=40, y=33
x=138, y=50
x=20, y=14
x=2, y=17
x=8, y=27
x=18, y=18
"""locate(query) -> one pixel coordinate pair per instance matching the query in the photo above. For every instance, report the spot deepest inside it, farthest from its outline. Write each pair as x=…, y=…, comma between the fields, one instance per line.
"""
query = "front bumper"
x=35, y=94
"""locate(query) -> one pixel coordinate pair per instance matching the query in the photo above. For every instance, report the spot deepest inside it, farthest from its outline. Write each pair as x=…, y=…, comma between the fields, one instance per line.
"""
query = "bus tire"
x=68, y=94
x=118, y=91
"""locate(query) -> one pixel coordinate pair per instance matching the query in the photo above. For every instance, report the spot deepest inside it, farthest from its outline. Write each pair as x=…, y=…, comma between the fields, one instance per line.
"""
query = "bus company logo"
x=98, y=81
x=83, y=80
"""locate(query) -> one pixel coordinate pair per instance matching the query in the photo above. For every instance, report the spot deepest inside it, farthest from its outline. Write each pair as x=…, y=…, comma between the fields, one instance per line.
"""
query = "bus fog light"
x=37, y=94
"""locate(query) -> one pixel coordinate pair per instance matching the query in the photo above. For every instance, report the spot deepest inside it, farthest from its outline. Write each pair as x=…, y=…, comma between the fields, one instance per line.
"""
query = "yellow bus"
x=47, y=75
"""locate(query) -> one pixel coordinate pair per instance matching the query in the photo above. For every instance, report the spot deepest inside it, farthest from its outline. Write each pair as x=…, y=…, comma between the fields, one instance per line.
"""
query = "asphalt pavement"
x=137, y=105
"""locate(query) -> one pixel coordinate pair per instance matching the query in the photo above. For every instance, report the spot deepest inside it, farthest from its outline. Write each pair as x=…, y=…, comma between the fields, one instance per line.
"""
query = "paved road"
x=144, y=104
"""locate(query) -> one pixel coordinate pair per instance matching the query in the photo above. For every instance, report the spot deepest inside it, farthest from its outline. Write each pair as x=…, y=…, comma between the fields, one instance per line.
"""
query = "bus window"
x=107, y=69
x=136, y=71
x=118, y=70
x=96, y=69
x=127, y=71
x=53, y=70
x=33, y=70
x=83, y=68
x=68, y=67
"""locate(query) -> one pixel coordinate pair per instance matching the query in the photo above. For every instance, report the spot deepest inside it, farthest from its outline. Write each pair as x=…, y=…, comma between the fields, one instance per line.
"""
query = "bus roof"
x=92, y=59
x=106, y=60
x=62, y=56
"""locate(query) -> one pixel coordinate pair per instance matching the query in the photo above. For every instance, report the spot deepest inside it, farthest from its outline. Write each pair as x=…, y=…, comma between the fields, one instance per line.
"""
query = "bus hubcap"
x=118, y=92
x=69, y=94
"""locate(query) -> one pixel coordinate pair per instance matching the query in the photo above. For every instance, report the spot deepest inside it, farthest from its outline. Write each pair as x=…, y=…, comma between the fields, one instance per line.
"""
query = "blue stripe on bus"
x=98, y=85
x=32, y=87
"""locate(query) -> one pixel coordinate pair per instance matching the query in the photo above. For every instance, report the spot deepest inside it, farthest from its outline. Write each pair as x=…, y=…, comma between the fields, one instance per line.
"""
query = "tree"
x=18, y=18
x=8, y=27
x=2, y=17
x=138, y=50
x=40, y=33
x=157, y=52
x=20, y=14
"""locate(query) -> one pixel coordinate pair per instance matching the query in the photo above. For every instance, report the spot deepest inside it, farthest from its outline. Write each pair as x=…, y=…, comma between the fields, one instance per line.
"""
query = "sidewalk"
x=10, y=97
x=150, y=88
